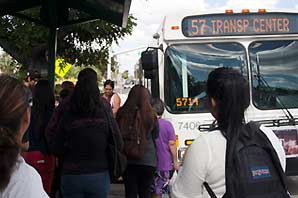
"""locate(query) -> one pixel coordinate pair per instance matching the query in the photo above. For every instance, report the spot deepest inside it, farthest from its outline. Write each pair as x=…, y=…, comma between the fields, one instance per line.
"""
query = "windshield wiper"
x=284, y=109
x=208, y=127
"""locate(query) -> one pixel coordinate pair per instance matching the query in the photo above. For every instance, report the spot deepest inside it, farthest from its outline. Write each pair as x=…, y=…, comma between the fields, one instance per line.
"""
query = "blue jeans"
x=96, y=185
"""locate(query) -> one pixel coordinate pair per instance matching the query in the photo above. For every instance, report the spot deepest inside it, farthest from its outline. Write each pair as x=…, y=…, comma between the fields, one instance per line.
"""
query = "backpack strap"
x=209, y=190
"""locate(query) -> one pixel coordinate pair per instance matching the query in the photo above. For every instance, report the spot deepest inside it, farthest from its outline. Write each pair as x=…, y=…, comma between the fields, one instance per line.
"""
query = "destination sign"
x=240, y=24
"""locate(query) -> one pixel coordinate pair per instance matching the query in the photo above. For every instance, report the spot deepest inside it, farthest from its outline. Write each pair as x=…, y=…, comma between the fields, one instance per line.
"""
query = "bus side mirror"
x=149, y=59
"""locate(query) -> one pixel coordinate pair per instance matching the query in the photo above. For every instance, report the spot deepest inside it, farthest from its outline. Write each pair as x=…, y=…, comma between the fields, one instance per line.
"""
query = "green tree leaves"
x=80, y=44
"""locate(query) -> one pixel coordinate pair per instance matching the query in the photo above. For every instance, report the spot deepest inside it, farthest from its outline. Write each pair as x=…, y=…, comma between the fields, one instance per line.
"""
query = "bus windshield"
x=274, y=74
x=186, y=71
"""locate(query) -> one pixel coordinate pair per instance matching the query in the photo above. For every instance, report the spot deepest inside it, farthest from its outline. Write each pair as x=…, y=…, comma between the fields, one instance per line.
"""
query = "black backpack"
x=258, y=172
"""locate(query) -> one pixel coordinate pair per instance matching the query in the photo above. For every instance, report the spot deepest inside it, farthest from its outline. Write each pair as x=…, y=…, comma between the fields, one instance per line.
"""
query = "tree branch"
x=13, y=51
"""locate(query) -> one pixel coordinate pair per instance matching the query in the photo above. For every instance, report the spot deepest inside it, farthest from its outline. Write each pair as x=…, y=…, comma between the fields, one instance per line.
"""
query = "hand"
x=176, y=166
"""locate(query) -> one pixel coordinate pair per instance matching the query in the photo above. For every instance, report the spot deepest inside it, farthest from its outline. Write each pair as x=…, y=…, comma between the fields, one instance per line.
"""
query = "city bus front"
x=268, y=58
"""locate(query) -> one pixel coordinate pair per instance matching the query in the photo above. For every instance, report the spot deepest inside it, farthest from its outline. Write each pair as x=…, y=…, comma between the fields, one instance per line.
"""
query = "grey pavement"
x=117, y=191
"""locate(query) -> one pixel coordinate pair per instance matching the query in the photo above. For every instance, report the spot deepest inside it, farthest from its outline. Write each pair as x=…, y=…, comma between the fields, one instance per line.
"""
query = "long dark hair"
x=138, y=103
x=86, y=99
x=43, y=105
x=230, y=91
x=14, y=100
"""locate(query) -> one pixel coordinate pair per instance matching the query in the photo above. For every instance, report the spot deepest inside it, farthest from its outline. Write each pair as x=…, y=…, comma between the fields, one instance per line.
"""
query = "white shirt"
x=205, y=161
x=25, y=182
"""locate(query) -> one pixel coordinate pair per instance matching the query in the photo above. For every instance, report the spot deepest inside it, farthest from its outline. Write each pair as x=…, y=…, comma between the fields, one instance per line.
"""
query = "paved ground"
x=117, y=191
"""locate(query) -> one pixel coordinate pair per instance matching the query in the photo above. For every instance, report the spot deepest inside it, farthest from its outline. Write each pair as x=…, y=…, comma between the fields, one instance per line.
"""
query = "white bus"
x=262, y=45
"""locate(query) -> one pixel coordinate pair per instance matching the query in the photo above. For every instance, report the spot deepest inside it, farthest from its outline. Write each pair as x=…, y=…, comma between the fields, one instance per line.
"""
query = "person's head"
x=15, y=103
x=108, y=87
x=228, y=95
x=158, y=106
x=88, y=73
x=67, y=85
x=139, y=96
x=138, y=100
x=34, y=78
x=86, y=99
x=29, y=81
x=64, y=93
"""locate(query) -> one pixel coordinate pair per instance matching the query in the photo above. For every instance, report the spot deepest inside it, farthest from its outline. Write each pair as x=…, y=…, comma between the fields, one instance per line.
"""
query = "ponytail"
x=231, y=92
x=9, y=150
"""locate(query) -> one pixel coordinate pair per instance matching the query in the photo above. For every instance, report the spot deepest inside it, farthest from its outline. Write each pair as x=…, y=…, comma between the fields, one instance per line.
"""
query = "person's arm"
x=114, y=126
x=190, y=178
x=173, y=149
x=116, y=104
x=117, y=134
x=59, y=138
x=52, y=125
x=172, y=144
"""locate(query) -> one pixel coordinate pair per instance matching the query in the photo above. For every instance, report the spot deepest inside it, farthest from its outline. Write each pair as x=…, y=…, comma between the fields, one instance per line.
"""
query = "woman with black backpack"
x=212, y=161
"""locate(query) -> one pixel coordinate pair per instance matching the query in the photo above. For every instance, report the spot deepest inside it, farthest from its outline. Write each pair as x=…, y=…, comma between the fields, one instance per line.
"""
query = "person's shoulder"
x=26, y=172
x=25, y=182
x=209, y=137
x=165, y=121
x=116, y=95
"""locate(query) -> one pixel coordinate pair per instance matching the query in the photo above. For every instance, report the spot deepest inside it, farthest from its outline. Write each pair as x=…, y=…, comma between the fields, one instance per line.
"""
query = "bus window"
x=274, y=74
x=186, y=70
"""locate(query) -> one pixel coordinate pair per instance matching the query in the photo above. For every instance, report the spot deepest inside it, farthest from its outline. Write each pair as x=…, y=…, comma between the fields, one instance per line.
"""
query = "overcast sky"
x=149, y=14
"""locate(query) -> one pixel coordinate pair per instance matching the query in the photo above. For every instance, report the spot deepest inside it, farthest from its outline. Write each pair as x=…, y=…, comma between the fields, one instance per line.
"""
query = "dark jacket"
x=82, y=143
x=52, y=125
x=61, y=125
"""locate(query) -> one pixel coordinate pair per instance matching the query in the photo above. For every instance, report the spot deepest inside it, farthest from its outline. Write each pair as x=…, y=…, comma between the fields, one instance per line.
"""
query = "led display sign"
x=240, y=24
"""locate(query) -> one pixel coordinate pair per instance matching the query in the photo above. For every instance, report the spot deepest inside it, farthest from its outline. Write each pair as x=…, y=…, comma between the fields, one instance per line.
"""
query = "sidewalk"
x=117, y=191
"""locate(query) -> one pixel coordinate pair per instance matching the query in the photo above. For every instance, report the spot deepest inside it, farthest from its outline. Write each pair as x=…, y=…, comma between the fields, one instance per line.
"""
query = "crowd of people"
x=61, y=151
